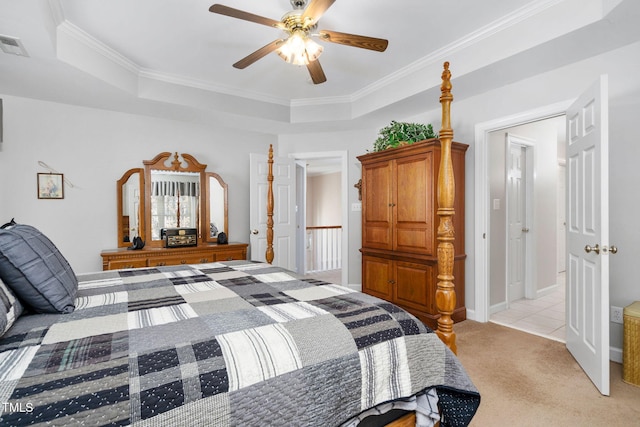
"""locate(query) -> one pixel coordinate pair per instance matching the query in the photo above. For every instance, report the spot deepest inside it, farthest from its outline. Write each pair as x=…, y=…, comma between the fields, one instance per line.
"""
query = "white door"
x=517, y=220
x=587, y=302
x=284, y=218
x=301, y=217
x=562, y=220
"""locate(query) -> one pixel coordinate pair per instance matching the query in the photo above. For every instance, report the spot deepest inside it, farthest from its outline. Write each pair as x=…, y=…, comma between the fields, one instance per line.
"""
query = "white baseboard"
x=615, y=354
x=471, y=315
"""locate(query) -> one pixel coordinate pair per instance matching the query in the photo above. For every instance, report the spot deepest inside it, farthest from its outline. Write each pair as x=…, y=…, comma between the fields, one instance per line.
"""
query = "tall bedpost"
x=269, y=253
x=445, y=291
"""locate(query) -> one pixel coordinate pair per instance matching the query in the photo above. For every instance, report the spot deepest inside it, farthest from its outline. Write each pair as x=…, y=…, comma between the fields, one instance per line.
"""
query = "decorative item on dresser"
x=174, y=193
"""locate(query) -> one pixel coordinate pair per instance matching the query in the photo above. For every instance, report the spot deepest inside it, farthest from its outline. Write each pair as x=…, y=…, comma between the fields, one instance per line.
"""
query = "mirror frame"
x=141, y=205
x=160, y=162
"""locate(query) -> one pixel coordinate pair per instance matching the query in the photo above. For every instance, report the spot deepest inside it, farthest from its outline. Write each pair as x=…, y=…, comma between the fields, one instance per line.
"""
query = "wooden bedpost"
x=445, y=291
x=269, y=254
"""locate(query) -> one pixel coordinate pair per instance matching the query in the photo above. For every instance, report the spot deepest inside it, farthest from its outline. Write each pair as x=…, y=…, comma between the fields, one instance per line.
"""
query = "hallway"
x=543, y=316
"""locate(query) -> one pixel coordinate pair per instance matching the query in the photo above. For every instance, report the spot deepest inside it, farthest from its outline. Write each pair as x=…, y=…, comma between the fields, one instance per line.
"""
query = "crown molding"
x=435, y=58
x=97, y=46
x=210, y=87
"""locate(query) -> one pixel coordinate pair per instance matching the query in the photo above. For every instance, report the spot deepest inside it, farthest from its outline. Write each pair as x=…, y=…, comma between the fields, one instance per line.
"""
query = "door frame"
x=341, y=157
x=529, y=258
x=481, y=312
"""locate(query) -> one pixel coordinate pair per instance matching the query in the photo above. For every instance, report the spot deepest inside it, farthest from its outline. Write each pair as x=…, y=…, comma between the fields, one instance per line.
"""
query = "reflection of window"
x=174, y=203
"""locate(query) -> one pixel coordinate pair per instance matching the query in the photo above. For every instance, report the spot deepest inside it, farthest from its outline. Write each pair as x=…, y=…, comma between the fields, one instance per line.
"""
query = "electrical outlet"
x=616, y=314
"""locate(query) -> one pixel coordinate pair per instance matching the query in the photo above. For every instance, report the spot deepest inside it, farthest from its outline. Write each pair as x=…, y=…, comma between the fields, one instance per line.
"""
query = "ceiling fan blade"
x=317, y=74
x=354, y=40
x=240, y=14
x=258, y=54
x=315, y=10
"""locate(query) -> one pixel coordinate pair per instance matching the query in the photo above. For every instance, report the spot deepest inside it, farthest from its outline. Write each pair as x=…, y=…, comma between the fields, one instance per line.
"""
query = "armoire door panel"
x=413, y=192
x=376, y=274
x=377, y=236
x=413, y=204
x=377, y=222
x=377, y=179
x=414, y=239
x=414, y=286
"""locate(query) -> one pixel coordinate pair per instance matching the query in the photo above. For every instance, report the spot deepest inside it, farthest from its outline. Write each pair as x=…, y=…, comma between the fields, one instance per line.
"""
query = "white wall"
x=93, y=148
x=324, y=207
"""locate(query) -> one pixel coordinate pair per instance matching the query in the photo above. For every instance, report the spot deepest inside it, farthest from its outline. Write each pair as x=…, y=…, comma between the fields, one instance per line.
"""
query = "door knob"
x=588, y=249
x=254, y=231
x=613, y=249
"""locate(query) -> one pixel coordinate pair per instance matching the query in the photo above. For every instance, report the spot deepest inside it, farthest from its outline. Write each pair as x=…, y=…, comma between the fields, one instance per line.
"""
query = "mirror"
x=175, y=200
x=130, y=207
x=216, y=209
x=168, y=193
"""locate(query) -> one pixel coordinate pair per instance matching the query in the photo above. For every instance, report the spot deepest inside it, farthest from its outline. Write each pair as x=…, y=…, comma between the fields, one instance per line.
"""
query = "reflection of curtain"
x=193, y=208
x=173, y=188
x=165, y=194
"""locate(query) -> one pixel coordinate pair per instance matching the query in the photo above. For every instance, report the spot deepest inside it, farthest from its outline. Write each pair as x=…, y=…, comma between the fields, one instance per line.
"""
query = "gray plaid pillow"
x=10, y=308
x=36, y=271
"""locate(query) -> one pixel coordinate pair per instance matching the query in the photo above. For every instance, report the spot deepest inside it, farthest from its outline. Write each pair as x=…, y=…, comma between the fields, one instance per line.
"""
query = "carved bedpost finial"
x=269, y=254
x=445, y=291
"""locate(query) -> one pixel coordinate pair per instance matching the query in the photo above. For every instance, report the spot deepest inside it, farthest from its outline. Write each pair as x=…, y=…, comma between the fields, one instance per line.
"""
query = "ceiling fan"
x=299, y=26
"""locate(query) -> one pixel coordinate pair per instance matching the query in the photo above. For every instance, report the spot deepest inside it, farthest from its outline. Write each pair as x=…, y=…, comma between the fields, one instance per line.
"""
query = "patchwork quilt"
x=223, y=344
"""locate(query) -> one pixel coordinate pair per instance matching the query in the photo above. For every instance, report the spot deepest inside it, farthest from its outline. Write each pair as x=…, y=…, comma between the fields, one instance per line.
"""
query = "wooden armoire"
x=399, y=227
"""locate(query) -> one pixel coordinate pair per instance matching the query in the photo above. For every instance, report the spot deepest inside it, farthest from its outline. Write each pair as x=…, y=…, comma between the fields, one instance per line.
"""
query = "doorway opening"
x=524, y=211
x=322, y=215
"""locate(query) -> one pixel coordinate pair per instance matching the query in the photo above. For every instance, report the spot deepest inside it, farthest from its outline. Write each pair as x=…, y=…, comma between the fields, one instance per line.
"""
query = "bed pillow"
x=37, y=273
x=10, y=308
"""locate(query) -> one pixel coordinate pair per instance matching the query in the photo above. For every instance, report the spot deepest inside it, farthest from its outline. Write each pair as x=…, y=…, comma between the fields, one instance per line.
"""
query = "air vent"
x=12, y=45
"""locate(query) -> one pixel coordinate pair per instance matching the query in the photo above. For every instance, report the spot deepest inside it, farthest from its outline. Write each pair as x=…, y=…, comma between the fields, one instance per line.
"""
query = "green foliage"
x=397, y=132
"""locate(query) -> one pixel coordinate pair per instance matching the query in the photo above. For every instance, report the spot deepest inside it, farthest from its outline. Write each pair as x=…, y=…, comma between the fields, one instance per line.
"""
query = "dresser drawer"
x=158, y=257
x=230, y=254
x=127, y=263
x=181, y=259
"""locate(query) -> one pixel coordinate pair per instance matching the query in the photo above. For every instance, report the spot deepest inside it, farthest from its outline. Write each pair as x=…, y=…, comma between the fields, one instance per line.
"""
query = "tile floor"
x=543, y=316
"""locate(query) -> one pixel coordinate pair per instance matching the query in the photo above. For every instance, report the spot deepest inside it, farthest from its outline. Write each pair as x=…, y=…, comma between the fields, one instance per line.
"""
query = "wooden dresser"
x=154, y=257
x=399, y=227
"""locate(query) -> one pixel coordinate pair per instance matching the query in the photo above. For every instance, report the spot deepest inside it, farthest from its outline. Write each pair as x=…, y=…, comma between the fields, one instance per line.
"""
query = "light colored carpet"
x=527, y=380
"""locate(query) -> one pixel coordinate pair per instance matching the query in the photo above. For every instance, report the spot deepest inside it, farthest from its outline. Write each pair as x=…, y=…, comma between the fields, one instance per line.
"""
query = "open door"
x=284, y=217
x=587, y=302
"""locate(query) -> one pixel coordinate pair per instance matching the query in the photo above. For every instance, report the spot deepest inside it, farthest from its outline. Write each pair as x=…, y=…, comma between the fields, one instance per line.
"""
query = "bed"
x=236, y=343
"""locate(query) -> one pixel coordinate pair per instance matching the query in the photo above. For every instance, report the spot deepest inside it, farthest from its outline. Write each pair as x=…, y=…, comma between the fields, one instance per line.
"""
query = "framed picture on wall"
x=50, y=186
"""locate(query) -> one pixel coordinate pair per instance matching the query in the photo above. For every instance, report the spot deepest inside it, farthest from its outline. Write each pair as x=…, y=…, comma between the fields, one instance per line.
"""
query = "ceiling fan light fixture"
x=299, y=49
